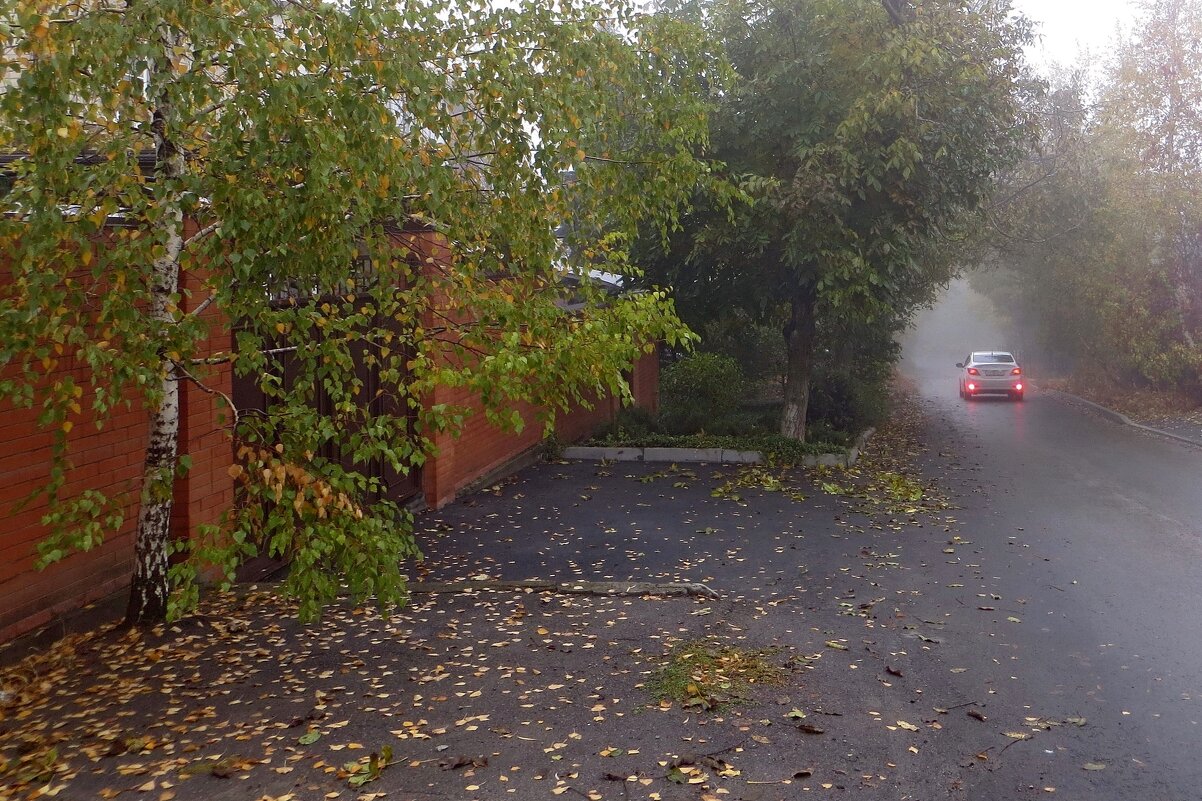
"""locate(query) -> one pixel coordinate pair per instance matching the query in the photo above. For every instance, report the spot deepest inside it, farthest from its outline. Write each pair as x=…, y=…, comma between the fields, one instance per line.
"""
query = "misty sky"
x=1067, y=26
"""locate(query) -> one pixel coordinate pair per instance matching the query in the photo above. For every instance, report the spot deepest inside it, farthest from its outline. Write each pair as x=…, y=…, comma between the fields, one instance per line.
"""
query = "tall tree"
x=866, y=138
x=1152, y=109
x=273, y=149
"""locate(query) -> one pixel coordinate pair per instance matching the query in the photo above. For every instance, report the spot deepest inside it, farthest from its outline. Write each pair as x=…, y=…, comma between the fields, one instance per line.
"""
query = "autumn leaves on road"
x=801, y=675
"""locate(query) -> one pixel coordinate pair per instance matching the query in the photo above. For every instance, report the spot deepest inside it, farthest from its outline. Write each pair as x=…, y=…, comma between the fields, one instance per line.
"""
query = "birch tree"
x=275, y=150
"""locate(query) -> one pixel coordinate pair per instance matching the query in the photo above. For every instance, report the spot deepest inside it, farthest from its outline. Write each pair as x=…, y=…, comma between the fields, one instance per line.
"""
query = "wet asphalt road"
x=1090, y=534
x=1058, y=600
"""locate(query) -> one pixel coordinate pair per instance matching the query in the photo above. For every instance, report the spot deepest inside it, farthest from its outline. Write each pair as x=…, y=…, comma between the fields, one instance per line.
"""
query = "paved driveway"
x=497, y=695
x=937, y=648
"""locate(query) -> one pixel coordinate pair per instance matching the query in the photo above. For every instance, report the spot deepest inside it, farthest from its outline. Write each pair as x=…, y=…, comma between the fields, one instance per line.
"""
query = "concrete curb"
x=711, y=455
x=1122, y=419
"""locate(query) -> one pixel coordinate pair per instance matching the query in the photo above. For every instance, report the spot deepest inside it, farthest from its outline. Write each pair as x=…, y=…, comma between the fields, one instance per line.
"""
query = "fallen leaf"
x=462, y=762
x=1094, y=766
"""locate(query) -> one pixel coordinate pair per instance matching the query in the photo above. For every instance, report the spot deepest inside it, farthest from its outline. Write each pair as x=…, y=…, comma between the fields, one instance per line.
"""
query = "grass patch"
x=708, y=675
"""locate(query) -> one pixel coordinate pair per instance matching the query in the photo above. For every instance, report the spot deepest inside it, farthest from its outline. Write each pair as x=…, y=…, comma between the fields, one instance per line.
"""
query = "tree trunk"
x=800, y=333
x=150, y=587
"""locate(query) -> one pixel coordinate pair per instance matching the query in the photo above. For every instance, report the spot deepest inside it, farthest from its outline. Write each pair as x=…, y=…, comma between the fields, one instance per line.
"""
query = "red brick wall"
x=482, y=447
x=644, y=382
x=208, y=489
x=109, y=460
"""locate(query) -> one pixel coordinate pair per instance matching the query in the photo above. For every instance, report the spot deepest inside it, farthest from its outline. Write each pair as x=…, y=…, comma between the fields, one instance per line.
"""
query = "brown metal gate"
x=397, y=486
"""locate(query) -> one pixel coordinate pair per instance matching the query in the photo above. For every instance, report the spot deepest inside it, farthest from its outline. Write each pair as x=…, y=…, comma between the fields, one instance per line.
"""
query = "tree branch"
x=898, y=10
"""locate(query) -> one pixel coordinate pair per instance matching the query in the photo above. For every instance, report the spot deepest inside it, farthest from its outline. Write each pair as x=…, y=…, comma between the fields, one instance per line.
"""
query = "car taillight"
x=1016, y=371
x=1018, y=387
x=972, y=387
x=973, y=371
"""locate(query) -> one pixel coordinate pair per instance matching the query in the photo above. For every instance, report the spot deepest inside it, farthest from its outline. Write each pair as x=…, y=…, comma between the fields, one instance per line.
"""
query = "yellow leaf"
x=67, y=426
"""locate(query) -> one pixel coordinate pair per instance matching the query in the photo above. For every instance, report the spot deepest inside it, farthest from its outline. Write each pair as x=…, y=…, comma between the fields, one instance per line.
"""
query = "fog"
x=961, y=320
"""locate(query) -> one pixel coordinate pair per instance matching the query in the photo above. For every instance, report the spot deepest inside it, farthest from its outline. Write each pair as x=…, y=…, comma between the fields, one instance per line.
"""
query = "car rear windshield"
x=997, y=358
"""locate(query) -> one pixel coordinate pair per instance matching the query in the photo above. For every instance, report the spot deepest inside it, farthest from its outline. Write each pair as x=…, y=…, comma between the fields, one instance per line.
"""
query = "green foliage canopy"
x=865, y=146
x=299, y=138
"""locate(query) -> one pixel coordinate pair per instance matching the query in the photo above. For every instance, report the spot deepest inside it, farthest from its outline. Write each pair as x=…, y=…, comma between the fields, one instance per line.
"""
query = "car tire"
x=1017, y=396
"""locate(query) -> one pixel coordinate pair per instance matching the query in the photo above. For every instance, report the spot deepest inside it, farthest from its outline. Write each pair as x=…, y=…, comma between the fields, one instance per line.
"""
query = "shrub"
x=844, y=399
x=758, y=347
x=634, y=421
x=698, y=390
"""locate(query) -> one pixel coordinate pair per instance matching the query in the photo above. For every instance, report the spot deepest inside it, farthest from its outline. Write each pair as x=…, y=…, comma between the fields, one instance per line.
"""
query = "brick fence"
x=110, y=460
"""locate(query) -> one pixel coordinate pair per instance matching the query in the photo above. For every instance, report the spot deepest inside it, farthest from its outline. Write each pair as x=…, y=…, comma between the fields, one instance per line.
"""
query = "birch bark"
x=150, y=587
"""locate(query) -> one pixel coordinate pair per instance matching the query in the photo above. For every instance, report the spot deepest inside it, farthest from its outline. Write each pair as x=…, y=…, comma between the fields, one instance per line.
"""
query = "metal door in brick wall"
x=398, y=486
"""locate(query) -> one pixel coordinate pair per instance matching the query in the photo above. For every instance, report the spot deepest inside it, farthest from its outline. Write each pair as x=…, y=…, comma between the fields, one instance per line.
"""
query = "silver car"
x=991, y=372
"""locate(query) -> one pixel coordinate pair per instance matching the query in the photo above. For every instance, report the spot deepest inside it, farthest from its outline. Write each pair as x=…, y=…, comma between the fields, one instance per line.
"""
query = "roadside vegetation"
x=176, y=175
x=708, y=401
x=855, y=152
x=1097, y=258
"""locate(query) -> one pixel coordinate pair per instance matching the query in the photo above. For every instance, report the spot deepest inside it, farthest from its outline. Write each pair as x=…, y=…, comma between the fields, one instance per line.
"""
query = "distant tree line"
x=1097, y=235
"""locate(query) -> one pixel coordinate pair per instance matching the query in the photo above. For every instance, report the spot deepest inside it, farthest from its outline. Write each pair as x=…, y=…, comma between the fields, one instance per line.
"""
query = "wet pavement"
x=1002, y=601
x=1013, y=647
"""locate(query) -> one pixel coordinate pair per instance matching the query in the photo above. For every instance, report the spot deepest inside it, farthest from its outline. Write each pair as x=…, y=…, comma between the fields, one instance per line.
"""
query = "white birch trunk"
x=150, y=588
